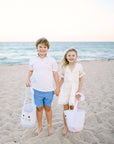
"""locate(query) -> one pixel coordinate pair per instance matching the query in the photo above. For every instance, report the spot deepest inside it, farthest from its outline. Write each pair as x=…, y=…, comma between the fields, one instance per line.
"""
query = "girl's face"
x=42, y=50
x=71, y=57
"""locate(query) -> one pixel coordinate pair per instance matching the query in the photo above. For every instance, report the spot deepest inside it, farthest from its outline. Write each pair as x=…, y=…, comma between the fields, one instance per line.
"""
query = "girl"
x=71, y=81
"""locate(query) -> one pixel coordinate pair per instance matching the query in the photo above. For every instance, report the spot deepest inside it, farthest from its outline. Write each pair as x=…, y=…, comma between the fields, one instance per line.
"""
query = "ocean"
x=21, y=52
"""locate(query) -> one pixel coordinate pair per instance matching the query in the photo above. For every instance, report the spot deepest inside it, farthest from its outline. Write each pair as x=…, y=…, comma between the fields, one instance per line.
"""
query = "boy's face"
x=71, y=57
x=42, y=49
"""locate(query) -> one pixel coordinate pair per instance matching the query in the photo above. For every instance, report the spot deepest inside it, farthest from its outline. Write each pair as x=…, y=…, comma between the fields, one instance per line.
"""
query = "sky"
x=57, y=20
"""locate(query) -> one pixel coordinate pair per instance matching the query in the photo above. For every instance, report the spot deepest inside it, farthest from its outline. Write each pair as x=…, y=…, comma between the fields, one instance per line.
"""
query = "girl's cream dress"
x=70, y=84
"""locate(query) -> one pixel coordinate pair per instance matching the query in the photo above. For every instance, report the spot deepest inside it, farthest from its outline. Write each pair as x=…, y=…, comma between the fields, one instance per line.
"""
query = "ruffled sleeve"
x=61, y=73
x=81, y=71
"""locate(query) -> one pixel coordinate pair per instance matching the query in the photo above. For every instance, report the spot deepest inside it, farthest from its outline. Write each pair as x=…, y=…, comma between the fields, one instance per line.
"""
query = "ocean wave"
x=20, y=52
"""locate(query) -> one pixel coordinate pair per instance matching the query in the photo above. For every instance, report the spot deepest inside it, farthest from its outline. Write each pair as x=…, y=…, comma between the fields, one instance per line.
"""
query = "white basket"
x=75, y=118
x=28, y=115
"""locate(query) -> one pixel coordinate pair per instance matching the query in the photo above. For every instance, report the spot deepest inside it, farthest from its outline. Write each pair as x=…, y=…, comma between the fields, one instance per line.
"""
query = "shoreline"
x=59, y=62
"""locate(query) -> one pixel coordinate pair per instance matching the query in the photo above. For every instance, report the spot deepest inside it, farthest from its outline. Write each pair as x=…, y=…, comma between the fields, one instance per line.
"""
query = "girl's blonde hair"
x=64, y=60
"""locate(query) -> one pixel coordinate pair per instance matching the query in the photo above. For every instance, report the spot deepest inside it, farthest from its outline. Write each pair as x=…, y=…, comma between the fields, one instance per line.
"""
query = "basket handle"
x=76, y=101
x=26, y=94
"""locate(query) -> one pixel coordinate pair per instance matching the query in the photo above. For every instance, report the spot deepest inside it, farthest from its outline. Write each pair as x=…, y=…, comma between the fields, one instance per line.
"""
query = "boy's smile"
x=42, y=50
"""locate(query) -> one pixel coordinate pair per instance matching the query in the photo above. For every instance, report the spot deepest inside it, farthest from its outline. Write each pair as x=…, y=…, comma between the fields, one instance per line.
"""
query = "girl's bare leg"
x=66, y=107
x=39, y=112
x=48, y=111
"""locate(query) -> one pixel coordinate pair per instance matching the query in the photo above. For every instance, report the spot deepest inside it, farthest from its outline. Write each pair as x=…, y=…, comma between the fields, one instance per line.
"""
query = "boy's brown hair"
x=42, y=41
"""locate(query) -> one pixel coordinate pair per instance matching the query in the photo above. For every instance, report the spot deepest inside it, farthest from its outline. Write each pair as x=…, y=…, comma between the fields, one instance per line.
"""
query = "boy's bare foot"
x=50, y=130
x=65, y=131
x=37, y=131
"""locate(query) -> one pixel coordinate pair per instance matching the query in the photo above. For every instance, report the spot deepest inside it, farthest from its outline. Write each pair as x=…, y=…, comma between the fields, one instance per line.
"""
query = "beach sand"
x=98, y=89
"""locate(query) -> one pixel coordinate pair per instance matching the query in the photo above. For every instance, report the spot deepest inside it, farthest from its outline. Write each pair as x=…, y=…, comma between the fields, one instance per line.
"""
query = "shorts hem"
x=43, y=105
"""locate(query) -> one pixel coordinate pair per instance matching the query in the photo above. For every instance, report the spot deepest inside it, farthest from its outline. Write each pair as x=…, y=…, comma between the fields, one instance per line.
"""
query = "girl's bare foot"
x=37, y=131
x=50, y=130
x=65, y=131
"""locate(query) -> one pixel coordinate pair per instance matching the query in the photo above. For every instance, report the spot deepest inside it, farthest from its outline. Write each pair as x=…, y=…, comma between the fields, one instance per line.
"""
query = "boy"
x=45, y=69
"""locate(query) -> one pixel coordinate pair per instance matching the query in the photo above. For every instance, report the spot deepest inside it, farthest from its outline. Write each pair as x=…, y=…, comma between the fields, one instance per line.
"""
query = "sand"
x=98, y=88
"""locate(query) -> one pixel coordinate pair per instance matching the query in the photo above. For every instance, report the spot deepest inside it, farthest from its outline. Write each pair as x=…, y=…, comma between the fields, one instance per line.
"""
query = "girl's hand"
x=78, y=97
x=56, y=92
x=28, y=83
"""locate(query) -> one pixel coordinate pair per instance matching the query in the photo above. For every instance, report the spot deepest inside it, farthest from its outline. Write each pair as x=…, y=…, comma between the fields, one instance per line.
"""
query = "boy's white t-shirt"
x=43, y=73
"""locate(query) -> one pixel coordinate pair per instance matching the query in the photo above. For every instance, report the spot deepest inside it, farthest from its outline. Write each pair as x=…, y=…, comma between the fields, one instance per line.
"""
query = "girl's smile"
x=71, y=57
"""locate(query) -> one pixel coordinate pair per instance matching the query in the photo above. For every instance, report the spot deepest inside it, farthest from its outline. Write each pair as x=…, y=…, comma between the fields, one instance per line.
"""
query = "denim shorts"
x=43, y=98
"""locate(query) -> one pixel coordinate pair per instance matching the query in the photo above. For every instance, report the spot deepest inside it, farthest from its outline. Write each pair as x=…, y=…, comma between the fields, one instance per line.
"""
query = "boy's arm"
x=56, y=78
x=28, y=79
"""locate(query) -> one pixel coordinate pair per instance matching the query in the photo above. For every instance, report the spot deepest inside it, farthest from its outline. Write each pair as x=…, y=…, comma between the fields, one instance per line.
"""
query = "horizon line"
x=51, y=41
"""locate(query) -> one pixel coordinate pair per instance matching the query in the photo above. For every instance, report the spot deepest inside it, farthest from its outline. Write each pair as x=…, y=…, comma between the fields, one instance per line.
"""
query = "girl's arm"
x=80, y=84
x=61, y=81
x=80, y=87
x=28, y=79
x=56, y=77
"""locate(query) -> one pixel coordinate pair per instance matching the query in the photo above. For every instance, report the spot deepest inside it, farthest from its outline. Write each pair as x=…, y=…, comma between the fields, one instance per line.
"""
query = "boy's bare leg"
x=39, y=112
x=71, y=107
x=66, y=107
x=48, y=111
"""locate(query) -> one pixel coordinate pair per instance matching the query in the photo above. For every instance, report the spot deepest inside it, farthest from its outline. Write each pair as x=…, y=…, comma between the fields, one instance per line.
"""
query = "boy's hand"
x=57, y=91
x=78, y=97
x=28, y=83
